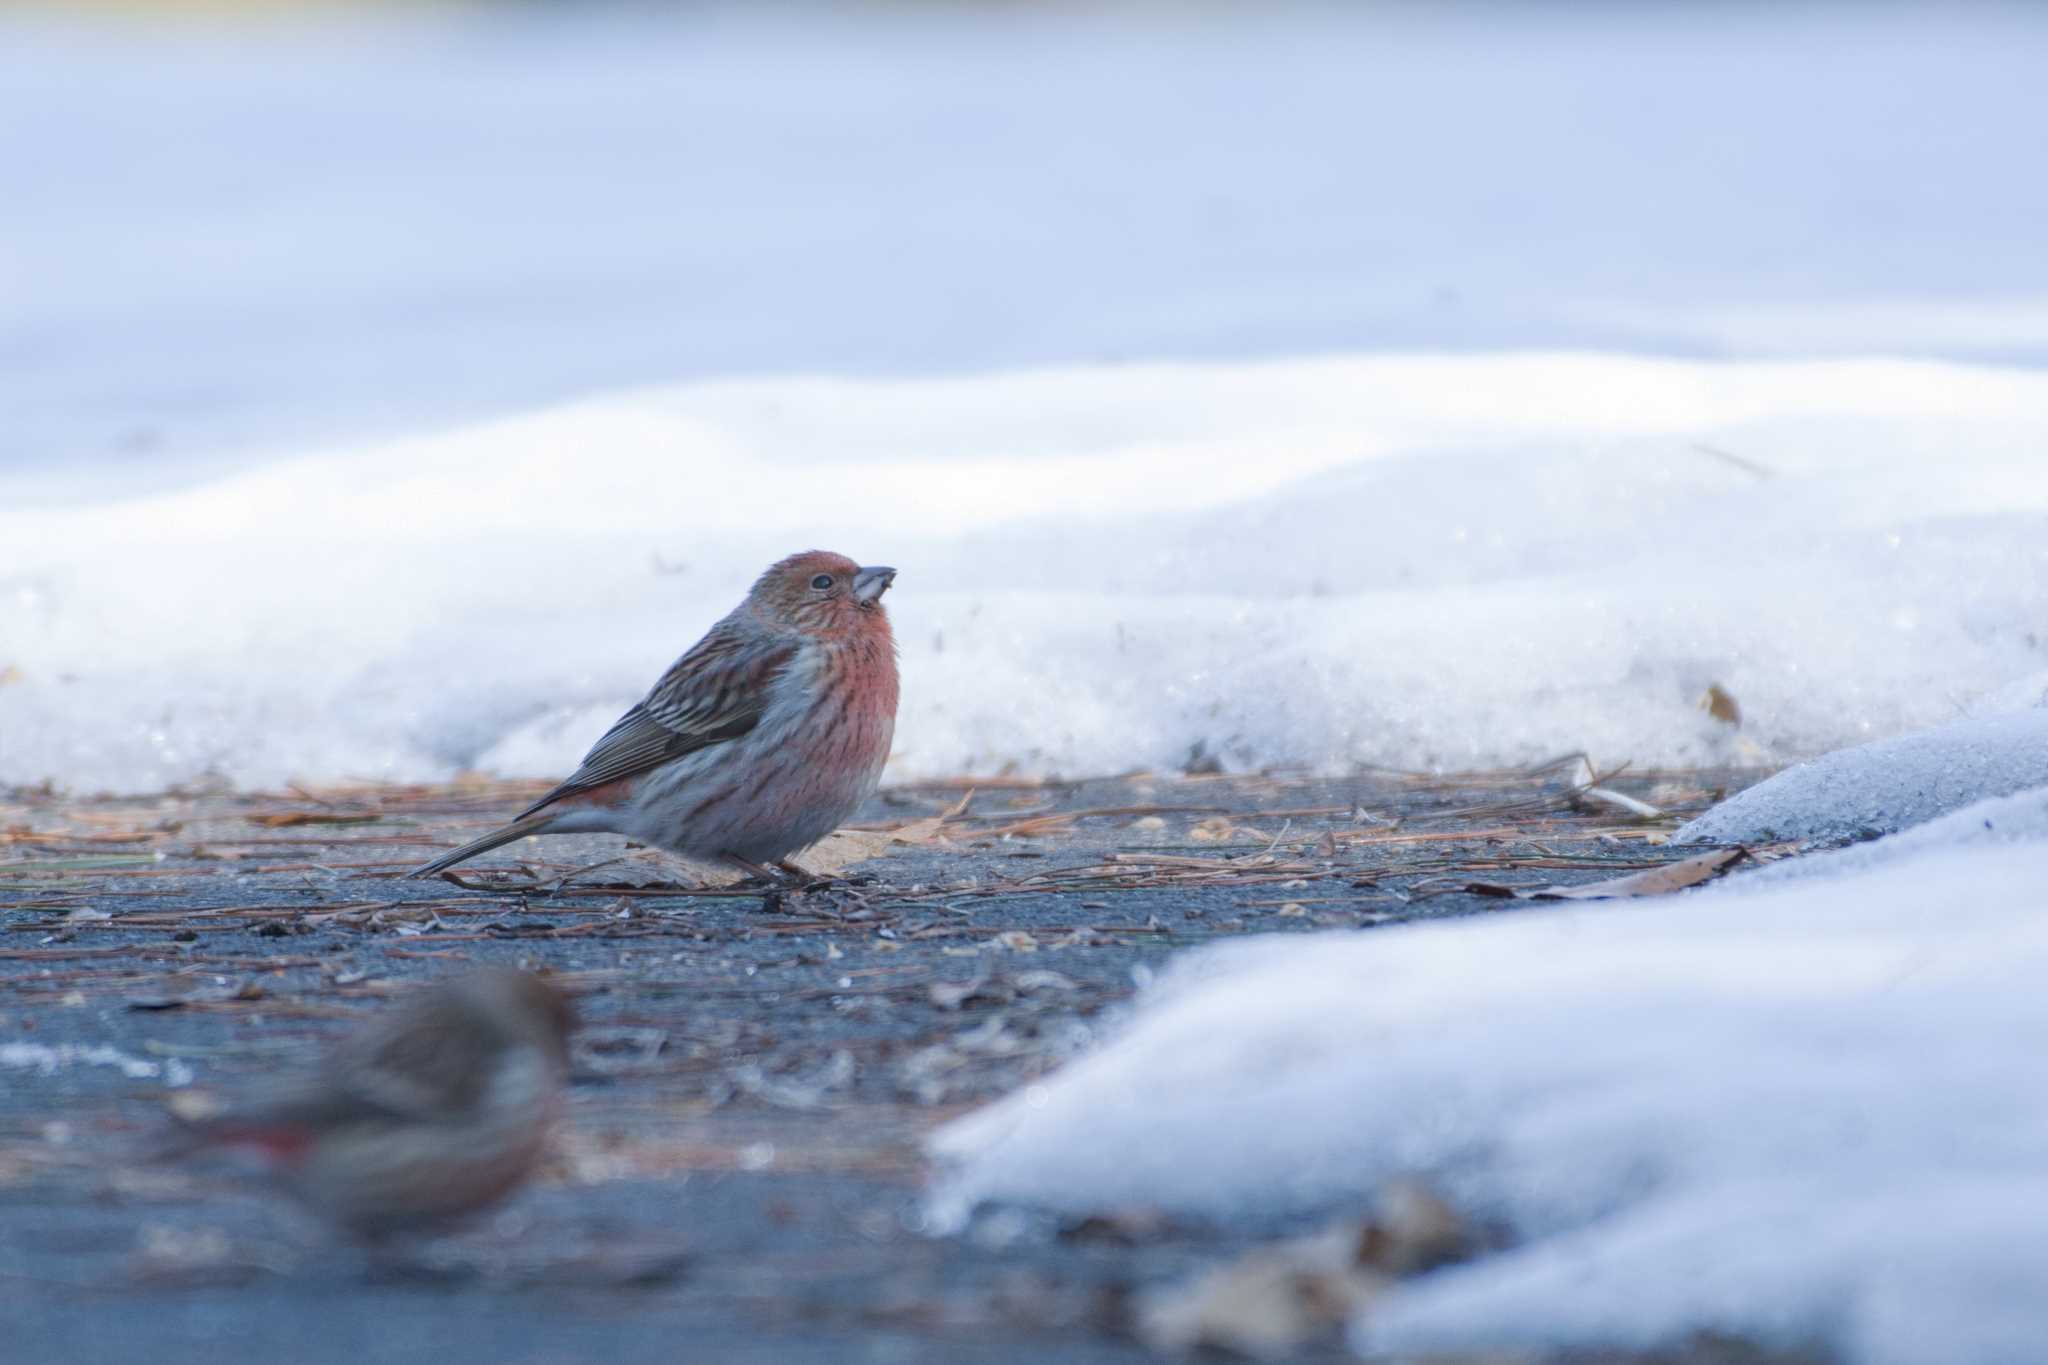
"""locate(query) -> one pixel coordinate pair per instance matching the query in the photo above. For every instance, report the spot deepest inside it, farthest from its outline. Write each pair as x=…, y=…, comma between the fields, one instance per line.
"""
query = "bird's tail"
x=182, y=1138
x=518, y=829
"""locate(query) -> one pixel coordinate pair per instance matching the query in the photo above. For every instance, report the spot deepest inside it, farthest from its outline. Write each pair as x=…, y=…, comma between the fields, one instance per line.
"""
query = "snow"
x=1266, y=383
x=46, y=1060
x=229, y=238
x=1274, y=391
x=1801, y=1107
x=1990, y=823
x=1882, y=787
x=1409, y=560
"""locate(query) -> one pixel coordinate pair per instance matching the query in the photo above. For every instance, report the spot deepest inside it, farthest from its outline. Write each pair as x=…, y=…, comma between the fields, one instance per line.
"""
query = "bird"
x=755, y=744
x=431, y=1113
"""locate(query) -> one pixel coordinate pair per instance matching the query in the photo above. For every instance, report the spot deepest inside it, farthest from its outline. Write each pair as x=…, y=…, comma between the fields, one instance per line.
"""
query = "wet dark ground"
x=740, y=1178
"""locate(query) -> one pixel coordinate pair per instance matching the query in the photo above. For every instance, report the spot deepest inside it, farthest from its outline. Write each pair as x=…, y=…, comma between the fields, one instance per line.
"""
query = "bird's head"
x=821, y=593
x=520, y=1008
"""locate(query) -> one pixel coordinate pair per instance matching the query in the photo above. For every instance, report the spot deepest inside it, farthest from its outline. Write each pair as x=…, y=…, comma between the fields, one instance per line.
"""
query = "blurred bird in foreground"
x=437, y=1110
x=766, y=735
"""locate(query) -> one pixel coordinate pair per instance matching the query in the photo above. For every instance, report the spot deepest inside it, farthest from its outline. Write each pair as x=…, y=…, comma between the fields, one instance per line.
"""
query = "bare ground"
x=741, y=1176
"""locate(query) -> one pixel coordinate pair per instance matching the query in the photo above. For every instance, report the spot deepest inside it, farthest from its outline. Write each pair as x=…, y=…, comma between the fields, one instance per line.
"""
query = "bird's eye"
x=822, y=582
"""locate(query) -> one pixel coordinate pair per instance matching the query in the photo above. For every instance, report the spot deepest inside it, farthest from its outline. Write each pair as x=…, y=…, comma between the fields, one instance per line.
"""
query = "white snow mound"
x=1886, y=786
x=1992, y=823
x=1423, y=561
x=1807, y=1111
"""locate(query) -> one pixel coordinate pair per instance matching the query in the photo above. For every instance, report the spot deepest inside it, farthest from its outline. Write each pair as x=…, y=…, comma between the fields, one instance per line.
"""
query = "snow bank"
x=1422, y=561
x=1990, y=823
x=1889, y=785
x=1807, y=1111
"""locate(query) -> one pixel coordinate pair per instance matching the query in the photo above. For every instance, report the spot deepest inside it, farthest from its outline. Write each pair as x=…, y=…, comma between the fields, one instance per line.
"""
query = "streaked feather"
x=716, y=692
x=756, y=743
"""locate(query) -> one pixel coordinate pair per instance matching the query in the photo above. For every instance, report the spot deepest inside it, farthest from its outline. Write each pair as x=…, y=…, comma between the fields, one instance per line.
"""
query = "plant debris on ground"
x=757, y=1067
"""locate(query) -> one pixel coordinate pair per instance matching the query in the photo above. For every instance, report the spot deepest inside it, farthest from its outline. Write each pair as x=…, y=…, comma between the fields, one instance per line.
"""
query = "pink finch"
x=434, y=1111
x=766, y=735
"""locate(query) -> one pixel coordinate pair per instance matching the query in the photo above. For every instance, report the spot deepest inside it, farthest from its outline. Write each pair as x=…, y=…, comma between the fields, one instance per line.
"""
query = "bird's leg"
x=757, y=872
x=801, y=876
x=783, y=875
x=811, y=881
x=771, y=882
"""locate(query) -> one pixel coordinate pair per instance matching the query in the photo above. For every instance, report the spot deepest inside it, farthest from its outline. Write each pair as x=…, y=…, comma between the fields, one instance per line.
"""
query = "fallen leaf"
x=1720, y=705
x=1655, y=881
x=1414, y=1229
x=289, y=818
x=184, y=988
x=1269, y=1302
x=917, y=831
x=926, y=831
x=842, y=849
x=1276, y=1299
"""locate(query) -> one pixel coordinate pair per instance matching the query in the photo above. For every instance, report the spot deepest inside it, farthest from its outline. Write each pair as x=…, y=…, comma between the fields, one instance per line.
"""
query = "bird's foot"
x=783, y=879
x=758, y=874
x=772, y=883
x=806, y=880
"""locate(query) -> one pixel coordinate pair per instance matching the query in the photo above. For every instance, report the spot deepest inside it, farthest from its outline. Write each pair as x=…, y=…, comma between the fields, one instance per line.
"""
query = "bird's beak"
x=870, y=583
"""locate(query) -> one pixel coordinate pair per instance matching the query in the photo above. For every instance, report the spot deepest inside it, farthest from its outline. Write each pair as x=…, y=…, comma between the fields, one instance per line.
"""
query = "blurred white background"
x=239, y=228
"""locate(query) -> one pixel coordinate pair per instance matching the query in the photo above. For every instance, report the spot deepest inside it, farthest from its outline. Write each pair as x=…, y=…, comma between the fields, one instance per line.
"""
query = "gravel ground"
x=740, y=1178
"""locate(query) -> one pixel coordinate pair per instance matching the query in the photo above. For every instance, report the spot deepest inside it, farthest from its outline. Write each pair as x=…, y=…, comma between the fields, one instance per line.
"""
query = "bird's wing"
x=432, y=1060
x=714, y=693
x=415, y=1069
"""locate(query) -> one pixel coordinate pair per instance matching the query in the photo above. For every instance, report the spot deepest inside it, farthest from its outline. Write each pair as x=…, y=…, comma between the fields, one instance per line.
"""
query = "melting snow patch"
x=47, y=1060
x=1886, y=786
x=1808, y=1111
x=2001, y=820
x=1429, y=561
